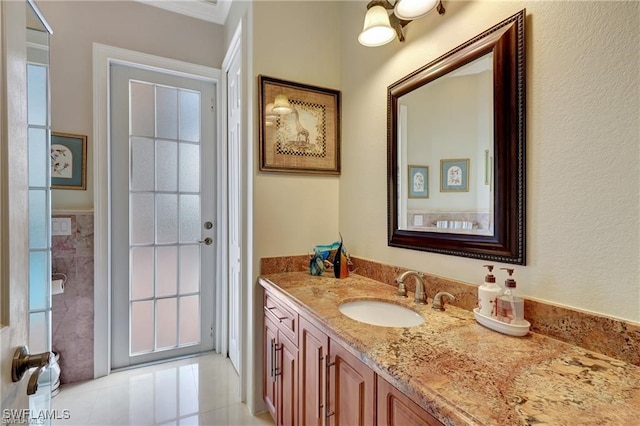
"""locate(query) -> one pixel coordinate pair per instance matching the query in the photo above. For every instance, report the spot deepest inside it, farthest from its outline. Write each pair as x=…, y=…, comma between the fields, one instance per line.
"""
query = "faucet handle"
x=402, y=289
x=438, y=302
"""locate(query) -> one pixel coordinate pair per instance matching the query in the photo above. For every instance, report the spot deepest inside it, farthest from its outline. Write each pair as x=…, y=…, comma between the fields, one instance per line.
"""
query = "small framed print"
x=454, y=175
x=68, y=161
x=418, y=183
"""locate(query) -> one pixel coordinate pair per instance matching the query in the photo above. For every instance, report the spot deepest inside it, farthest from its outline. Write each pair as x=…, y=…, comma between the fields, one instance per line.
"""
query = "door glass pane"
x=142, y=326
x=166, y=166
x=142, y=221
x=167, y=112
x=38, y=153
x=142, y=272
x=142, y=100
x=166, y=271
x=37, y=95
x=167, y=329
x=38, y=332
x=189, y=218
x=142, y=164
x=189, y=269
x=38, y=280
x=167, y=214
x=189, y=116
x=189, y=320
x=38, y=218
x=189, y=167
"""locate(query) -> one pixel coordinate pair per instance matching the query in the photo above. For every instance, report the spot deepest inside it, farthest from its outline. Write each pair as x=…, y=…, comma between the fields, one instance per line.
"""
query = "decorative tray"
x=502, y=327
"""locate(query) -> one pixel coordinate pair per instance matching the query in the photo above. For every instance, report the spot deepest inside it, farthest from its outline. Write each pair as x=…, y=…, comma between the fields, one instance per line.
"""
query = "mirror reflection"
x=445, y=152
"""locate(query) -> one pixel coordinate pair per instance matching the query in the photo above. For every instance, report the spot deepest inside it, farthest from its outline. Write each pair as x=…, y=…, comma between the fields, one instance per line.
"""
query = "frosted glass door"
x=162, y=197
x=39, y=191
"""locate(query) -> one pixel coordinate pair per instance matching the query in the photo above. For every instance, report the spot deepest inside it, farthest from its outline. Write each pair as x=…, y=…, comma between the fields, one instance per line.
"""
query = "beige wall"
x=124, y=24
x=582, y=146
x=295, y=41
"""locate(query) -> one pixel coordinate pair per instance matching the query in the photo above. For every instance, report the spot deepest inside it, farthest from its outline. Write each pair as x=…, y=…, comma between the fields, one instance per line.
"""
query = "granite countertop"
x=464, y=373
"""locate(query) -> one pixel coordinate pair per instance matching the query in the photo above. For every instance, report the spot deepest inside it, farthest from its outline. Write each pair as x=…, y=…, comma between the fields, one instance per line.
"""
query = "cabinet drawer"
x=285, y=317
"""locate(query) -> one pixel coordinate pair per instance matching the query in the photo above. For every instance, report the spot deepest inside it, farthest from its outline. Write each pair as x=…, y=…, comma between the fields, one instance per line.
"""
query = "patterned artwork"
x=304, y=131
x=299, y=129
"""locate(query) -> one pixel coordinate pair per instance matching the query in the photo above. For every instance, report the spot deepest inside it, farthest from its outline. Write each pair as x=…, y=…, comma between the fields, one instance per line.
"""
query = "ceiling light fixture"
x=380, y=28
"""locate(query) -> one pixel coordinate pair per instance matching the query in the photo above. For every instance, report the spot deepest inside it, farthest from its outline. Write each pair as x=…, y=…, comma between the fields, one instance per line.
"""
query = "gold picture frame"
x=299, y=128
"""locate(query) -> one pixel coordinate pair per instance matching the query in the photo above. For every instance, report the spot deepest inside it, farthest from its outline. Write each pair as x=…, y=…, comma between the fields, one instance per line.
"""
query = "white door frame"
x=103, y=55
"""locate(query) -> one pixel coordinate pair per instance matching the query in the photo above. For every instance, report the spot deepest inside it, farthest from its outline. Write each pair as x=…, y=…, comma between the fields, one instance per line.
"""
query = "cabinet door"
x=395, y=409
x=287, y=374
x=351, y=389
x=269, y=384
x=314, y=345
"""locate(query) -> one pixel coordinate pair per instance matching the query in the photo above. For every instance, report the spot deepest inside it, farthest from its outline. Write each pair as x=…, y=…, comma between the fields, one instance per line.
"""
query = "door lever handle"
x=208, y=241
x=32, y=386
x=23, y=362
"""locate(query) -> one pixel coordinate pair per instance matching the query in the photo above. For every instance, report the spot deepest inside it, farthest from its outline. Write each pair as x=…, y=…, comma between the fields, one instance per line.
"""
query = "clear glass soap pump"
x=510, y=306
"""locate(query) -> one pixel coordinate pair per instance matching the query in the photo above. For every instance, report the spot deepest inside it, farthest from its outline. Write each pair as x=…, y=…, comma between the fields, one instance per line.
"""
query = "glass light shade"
x=413, y=9
x=269, y=114
x=281, y=105
x=377, y=29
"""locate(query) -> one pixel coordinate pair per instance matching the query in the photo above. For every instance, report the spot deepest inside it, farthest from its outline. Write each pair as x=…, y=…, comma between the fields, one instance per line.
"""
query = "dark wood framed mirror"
x=456, y=150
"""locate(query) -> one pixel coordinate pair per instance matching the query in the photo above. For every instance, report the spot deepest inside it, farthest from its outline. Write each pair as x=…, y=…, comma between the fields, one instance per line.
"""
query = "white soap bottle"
x=510, y=306
x=488, y=294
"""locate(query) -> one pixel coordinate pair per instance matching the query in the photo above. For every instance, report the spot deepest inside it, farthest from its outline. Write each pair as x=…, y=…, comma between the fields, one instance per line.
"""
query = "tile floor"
x=202, y=390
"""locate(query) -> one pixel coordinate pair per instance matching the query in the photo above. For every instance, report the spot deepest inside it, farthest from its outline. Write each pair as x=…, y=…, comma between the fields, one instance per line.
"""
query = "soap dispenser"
x=488, y=294
x=510, y=306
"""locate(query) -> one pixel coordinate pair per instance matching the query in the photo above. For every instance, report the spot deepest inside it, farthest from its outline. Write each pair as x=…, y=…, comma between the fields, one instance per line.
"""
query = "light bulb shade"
x=269, y=115
x=377, y=29
x=281, y=105
x=413, y=9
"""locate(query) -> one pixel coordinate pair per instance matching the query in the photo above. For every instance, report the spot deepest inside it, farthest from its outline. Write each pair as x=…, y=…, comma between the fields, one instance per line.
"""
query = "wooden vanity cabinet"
x=352, y=393
x=396, y=409
x=313, y=351
x=333, y=383
x=318, y=382
x=280, y=361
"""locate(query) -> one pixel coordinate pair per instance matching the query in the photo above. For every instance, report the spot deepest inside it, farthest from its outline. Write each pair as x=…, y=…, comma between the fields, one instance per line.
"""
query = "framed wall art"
x=299, y=129
x=418, y=183
x=454, y=175
x=68, y=161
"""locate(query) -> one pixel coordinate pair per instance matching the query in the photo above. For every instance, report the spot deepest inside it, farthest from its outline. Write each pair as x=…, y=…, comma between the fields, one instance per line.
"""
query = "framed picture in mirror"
x=454, y=175
x=418, y=181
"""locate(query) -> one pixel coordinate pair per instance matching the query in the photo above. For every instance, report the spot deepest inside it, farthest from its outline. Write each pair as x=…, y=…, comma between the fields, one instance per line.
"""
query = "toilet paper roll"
x=57, y=286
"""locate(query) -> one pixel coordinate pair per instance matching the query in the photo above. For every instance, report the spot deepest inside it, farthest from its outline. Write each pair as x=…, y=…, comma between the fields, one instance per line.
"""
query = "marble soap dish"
x=502, y=327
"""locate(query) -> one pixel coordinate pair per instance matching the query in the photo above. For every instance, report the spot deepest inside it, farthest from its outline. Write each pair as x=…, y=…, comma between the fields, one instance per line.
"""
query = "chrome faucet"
x=420, y=295
x=438, y=303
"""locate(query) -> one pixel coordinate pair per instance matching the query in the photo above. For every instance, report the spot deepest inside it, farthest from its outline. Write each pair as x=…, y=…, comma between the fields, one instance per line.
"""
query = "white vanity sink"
x=377, y=312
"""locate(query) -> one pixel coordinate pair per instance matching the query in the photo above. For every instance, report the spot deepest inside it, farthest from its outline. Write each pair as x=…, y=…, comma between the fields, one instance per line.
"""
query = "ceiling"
x=208, y=10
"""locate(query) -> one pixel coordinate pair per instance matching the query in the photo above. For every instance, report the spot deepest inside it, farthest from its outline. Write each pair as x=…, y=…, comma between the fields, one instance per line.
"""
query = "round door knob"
x=208, y=241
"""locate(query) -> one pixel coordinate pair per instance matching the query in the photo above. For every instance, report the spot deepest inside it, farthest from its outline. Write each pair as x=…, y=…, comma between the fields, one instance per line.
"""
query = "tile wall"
x=72, y=316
